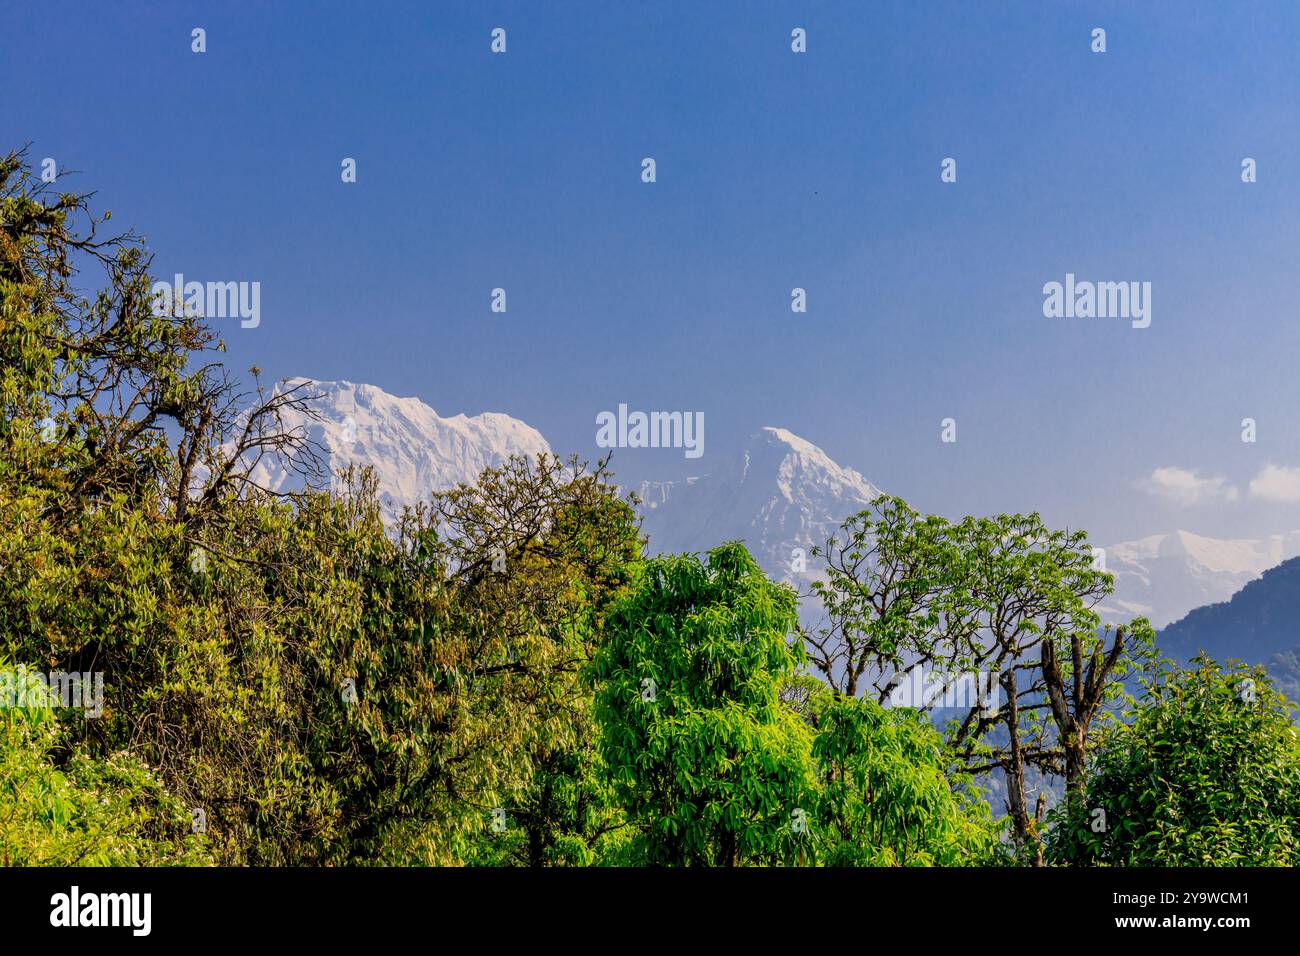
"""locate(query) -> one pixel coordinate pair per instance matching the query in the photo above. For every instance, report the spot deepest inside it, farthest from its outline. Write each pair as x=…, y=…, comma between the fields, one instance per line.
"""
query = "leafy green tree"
x=1204, y=772
x=1003, y=604
x=537, y=554
x=327, y=689
x=891, y=575
x=885, y=797
x=565, y=816
x=110, y=420
x=710, y=765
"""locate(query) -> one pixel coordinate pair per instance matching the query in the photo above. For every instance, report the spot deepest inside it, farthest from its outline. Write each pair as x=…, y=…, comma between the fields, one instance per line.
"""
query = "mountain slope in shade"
x=1165, y=576
x=1258, y=625
x=780, y=496
x=412, y=449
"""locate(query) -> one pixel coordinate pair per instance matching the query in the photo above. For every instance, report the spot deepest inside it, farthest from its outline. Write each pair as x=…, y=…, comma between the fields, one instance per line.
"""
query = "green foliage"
x=229, y=680
x=61, y=809
x=543, y=554
x=891, y=575
x=1000, y=599
x=885, y=799
x=709, y=763
x=1205, y=773
x=463, y=634
x=567, y=816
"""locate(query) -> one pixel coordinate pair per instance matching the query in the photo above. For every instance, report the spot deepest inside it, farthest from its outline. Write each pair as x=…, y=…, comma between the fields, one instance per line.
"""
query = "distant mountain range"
x=1164, y=576
x=1257, y=625
x=782, y=495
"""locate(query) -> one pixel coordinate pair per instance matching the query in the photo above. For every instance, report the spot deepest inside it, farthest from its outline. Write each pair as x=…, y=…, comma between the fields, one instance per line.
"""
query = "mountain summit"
x=412, y=449
x=780, y=496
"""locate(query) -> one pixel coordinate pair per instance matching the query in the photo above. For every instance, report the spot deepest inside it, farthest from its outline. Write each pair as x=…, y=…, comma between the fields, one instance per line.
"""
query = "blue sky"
x=775, y=170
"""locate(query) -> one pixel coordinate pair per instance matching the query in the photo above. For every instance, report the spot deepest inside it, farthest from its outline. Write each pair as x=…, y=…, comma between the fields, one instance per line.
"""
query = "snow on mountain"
x=780, y=496
x=1166, y=575
x=412, y=449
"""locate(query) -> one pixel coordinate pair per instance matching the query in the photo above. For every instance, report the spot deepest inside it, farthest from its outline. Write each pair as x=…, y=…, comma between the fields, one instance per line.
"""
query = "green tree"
x=1004, y=605
x=1204, y=772
x=537, y=554
x=327, y=689
x=885, y=797
x=710, y=765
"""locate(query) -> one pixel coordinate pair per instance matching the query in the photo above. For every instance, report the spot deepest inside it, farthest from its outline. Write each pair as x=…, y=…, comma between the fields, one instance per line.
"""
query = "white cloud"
x=1277, y=483
x=1185, y=487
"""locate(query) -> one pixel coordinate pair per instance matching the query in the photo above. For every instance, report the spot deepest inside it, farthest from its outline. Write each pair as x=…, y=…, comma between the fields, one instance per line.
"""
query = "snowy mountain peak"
x=413, y=450
x=781, y=495
x=803, y=463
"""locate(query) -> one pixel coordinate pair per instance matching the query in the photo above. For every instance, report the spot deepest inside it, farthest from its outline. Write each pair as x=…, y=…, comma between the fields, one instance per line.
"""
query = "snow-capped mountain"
x=780, y=496
x=1166, y=575
x=783, y=494
x=412, y=449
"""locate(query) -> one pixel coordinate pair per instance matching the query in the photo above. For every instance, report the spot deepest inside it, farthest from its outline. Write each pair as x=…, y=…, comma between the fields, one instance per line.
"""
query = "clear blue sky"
x=775, y=170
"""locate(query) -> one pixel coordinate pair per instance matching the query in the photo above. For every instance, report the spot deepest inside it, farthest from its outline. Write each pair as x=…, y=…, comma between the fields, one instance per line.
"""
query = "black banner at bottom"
x=339, y=906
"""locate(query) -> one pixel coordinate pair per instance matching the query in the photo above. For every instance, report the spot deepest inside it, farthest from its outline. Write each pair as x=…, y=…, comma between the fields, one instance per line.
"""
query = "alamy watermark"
x=75, y=908
x=922, y=689
x=1101, y=300
x=210, y=300
x=21, y=687
x=651, y=430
